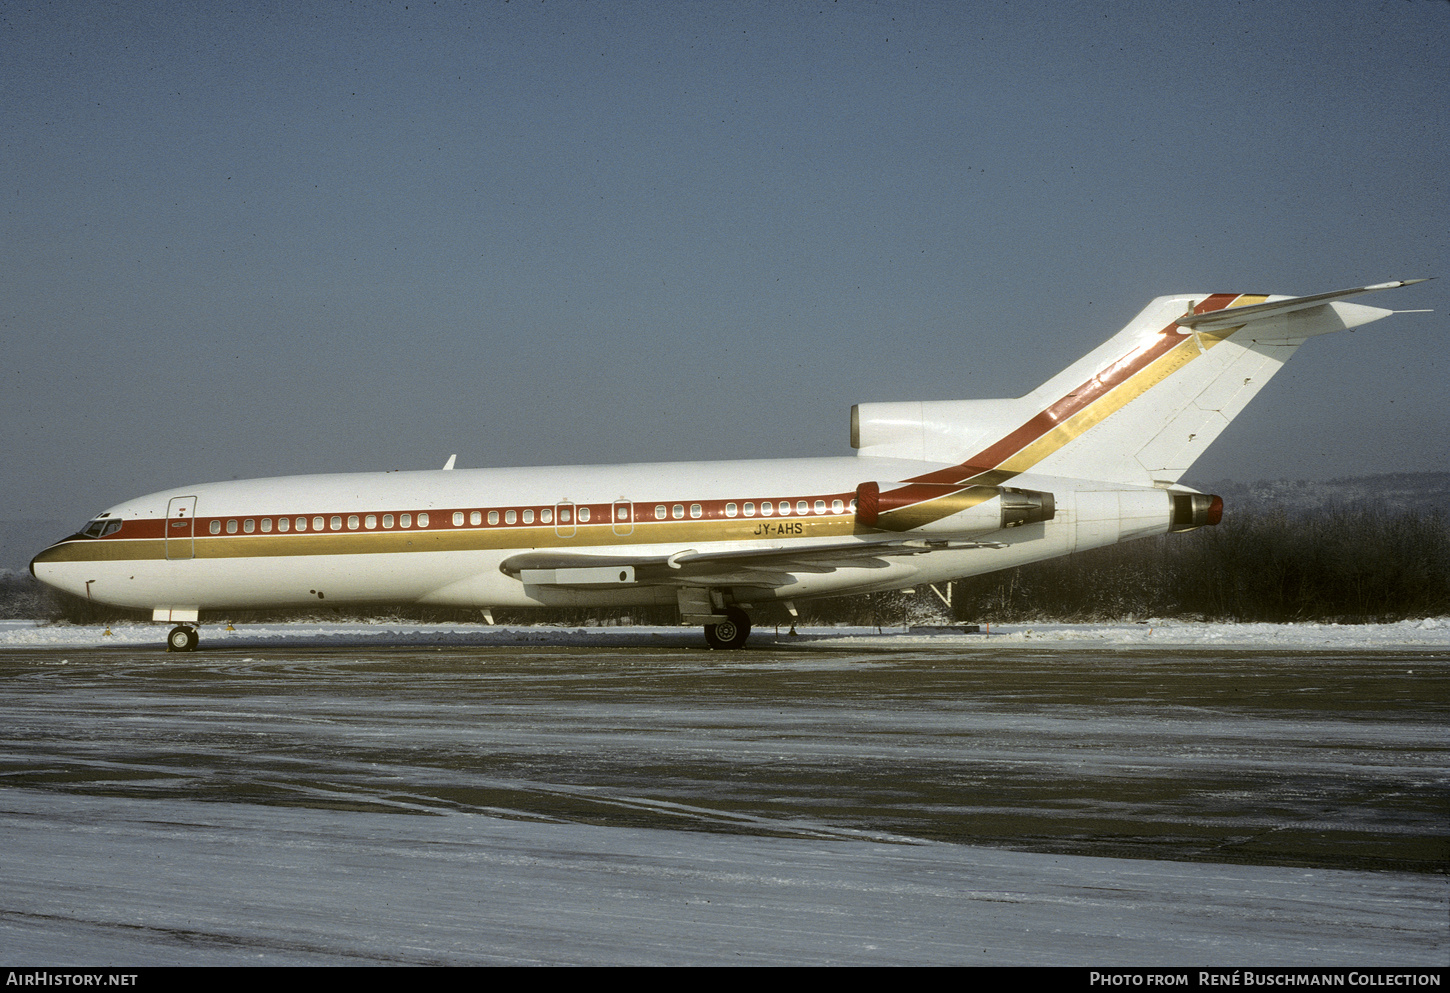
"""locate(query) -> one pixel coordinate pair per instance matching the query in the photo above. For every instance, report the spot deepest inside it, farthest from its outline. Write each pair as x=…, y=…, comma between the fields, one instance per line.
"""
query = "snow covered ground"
x=1428, y=634
x=118, y=881
x=1126, y=794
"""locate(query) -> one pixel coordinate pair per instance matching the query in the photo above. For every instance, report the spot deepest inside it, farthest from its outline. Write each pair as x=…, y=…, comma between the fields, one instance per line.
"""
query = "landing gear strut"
x=731, y=632
x=181, y=639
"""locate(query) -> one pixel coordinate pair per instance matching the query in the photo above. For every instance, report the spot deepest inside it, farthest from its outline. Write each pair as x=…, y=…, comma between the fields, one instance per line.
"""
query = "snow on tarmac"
x=1417, y=635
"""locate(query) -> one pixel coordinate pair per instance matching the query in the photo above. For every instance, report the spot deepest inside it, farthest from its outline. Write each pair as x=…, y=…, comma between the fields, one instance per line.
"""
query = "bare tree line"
x=1347, y=564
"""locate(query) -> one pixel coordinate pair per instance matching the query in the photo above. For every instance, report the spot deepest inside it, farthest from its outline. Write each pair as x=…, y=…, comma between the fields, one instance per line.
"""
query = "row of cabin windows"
x=334, y=523
x=546, y=516
x=662, y=512
x=802, y=507
x=766, y=509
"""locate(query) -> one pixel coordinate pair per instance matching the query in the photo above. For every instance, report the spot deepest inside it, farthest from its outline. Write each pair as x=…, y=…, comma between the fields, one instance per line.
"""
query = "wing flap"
x=769, y=566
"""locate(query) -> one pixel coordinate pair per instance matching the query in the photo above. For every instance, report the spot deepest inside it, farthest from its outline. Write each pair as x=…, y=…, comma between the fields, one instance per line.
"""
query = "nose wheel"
x=731, y=632
x=182, y=639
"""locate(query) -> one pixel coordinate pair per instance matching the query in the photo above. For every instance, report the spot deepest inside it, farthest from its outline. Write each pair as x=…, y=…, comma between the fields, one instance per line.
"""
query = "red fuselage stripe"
x=1073, y=403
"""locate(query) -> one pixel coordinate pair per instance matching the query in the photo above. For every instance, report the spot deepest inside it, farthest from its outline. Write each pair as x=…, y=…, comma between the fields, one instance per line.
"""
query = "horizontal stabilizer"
x=1233, y=317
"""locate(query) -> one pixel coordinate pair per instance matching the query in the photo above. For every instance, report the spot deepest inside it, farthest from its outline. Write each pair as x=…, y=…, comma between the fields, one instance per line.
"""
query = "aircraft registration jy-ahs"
x=936, y=491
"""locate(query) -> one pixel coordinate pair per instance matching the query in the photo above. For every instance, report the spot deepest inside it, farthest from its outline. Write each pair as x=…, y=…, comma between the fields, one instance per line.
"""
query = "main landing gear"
x=731, y=632
x=182, y=639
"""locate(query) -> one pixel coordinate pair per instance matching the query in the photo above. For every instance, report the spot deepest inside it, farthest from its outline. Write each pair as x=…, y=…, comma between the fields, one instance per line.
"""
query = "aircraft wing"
x=767, y=566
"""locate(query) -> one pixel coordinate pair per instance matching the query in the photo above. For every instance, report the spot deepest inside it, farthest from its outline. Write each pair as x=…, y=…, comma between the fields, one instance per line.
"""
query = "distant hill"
x=1397, y=492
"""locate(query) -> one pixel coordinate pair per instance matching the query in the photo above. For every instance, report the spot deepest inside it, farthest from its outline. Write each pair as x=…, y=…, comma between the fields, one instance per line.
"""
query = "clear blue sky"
x=270, y=239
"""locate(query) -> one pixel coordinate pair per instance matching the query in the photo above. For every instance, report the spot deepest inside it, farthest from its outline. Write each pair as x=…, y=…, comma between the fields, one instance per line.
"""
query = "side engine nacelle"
x=1106, y=516
x=933, y=508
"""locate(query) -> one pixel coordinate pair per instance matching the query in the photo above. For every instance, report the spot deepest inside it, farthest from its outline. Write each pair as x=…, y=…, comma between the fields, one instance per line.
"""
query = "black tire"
x=182, y=639
x=730, y=633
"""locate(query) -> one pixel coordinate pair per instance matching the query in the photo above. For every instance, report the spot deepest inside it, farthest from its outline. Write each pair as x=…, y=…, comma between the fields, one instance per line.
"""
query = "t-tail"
x=1138, y=410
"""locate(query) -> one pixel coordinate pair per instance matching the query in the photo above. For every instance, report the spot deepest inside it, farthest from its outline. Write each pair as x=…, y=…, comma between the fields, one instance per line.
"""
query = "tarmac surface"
x=990, y=803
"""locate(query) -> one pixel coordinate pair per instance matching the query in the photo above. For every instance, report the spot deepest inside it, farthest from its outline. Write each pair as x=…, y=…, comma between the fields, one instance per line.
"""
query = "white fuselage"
x=221, y=545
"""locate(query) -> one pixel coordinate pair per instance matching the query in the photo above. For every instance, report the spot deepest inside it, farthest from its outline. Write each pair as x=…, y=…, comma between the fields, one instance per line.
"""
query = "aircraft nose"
x=39, y=558
x=47, y=554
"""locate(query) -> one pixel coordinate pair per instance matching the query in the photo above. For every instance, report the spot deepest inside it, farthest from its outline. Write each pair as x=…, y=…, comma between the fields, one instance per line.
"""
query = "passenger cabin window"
x=301, y=524
x=509, y=516
x=475, y=518
x=422, y=520
x=387, y=520
x=837, y=506
x=584, y=515
x=695, y=510
x=231, y=527
x=766, y=508
x=528, y=517
x=370, y=521
x=546, y=516
x=352, y=522
x=283, y=524
x=267, y=524
x=493, y=517
x=749, y=509
x=660, y=512
x=731, y=510
x=318, y=524
x=820, y=506
x=785, y=507
x=563, y=515
x=249, y=526
x=216, y=527
x=406, y=521
x=336, y=523
x=458, y=518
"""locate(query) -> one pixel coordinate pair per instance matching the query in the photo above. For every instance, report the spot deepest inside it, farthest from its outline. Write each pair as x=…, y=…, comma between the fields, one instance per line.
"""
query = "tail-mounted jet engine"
x=1194, y=510
x=935, y=508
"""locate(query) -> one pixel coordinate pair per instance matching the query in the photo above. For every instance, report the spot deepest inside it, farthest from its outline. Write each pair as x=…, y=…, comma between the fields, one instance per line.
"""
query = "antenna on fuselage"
x=451, y=459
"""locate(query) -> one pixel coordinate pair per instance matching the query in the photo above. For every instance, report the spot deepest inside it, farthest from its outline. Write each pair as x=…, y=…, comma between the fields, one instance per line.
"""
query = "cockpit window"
x=101, y=527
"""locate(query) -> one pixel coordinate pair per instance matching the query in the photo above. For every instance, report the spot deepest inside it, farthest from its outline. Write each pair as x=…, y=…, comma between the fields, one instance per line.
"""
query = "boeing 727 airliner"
x=937, y=491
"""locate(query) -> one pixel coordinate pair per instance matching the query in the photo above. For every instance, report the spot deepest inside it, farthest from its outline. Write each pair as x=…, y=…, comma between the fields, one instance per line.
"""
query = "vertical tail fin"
x=1139, y=409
